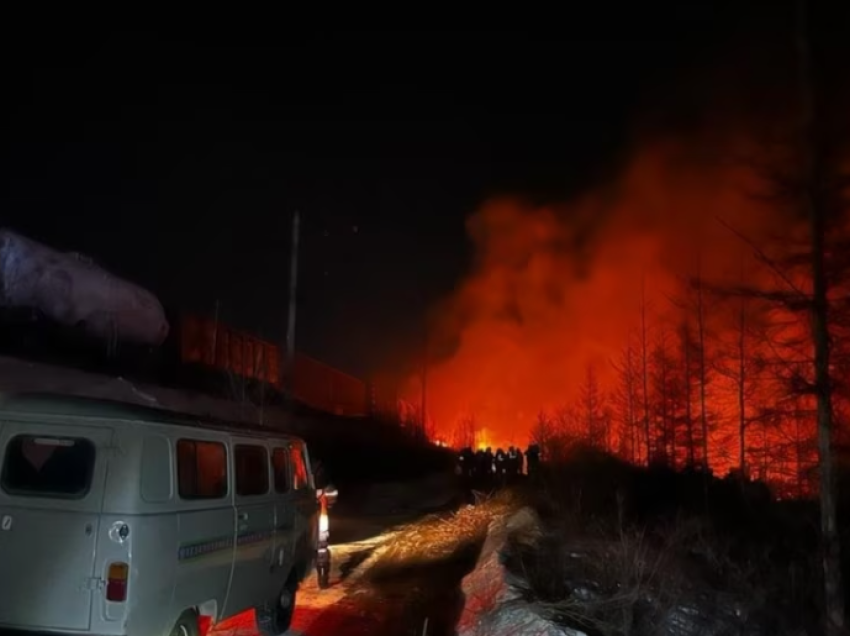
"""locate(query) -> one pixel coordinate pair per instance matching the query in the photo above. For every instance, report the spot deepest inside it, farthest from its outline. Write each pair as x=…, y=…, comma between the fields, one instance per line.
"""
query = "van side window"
x=48, y=466
x=280, y=463
x=300, y=479
x=201, y=469
x=252, y=470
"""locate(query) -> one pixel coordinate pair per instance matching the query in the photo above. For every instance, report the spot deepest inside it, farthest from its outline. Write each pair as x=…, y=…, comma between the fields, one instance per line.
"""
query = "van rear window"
x=48, y=466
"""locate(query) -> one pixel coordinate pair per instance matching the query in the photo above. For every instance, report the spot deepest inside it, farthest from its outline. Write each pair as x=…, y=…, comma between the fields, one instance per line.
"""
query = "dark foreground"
x=396, y=601
x=396, y=572
x=393, y=597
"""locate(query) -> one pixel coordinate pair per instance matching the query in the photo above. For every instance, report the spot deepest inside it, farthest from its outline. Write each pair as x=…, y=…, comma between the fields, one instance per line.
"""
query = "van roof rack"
x=85, y=406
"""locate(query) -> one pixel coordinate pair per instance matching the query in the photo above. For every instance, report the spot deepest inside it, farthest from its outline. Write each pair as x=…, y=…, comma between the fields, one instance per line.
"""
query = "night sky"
x=176, y=159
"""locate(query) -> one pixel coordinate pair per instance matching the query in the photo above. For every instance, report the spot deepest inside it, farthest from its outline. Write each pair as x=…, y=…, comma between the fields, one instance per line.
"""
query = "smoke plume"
x=554, y=289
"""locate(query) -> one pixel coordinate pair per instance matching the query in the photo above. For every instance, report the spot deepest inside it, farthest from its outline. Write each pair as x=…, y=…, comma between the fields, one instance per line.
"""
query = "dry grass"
x=439, y=537
x=626, y=585
x=611, y=564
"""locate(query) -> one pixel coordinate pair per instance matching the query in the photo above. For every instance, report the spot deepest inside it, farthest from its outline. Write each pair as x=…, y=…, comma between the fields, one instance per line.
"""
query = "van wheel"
x=275, y=617
x=186, y=625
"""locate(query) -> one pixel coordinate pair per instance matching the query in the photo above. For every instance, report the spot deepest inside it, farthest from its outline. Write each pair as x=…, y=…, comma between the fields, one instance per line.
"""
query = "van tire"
x=186, y=625
x=274, y=617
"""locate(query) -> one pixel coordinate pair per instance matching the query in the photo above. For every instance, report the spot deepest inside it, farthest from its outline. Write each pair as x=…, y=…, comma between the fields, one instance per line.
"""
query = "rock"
x=492, y=599
x=605, y=584
x=519, y=618
x=703, y=617
x=488, y=585
x=524, y=527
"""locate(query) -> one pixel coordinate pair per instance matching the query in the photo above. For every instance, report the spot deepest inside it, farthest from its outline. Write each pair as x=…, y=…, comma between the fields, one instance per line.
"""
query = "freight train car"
x=61, y=308
x=210, y=346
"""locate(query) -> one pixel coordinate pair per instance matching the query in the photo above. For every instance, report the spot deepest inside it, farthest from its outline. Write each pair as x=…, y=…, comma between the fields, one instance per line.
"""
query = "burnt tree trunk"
x=646, y=431
x=689, y=416
x=666, y=432
x=815, y=202
x=742, y=378
x=630, y=400
x=702, y=374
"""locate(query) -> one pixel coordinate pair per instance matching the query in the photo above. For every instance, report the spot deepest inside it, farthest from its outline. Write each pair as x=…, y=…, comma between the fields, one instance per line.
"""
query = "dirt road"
x=390, y=585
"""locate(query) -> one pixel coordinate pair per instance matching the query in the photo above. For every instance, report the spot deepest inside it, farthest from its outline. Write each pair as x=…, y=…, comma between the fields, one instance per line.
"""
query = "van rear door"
x=51, y=490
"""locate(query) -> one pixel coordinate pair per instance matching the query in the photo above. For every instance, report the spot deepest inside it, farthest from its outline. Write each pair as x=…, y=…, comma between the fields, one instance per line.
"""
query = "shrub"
x=631, y=551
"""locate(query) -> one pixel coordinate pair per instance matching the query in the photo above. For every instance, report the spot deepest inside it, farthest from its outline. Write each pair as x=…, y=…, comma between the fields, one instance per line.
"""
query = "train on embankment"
x=63, y=310
x=61, y=306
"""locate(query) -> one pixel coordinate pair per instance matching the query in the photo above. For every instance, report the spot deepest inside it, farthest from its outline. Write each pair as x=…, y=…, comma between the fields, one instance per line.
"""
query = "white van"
x=122, y=520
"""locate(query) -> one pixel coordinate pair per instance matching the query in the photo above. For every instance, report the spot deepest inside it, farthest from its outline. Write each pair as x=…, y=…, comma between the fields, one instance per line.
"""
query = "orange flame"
x=557, y=289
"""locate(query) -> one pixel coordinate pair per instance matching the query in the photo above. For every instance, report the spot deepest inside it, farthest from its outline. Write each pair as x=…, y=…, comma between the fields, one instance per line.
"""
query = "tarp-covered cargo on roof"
x=73, y=291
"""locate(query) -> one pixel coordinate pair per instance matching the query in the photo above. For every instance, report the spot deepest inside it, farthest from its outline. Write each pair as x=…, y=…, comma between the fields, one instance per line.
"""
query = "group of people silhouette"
x=501, y=467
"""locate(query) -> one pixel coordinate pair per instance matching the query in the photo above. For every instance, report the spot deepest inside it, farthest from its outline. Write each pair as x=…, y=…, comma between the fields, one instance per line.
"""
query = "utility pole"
x=289, y=362
x=215, y=333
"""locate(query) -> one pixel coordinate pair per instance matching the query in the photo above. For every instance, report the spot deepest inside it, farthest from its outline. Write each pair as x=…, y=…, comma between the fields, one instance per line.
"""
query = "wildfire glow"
x=483, y=438
x=555, y=291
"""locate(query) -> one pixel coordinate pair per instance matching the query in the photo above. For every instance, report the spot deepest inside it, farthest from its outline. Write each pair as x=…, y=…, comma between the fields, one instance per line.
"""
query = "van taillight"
x=204, y=624
x=116, y=582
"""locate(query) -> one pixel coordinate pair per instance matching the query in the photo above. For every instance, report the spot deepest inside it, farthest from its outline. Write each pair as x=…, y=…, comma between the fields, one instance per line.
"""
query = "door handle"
x=242, y=516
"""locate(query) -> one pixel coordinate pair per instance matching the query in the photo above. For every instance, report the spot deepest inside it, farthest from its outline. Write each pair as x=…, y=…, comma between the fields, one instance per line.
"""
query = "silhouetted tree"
x=543, y=434
x=811, y=185
x=687, y=348
x=465, y=432
x=703, y=368
x=644, y=350
x=661, y=376
x=590, y=404
x=626, y=400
